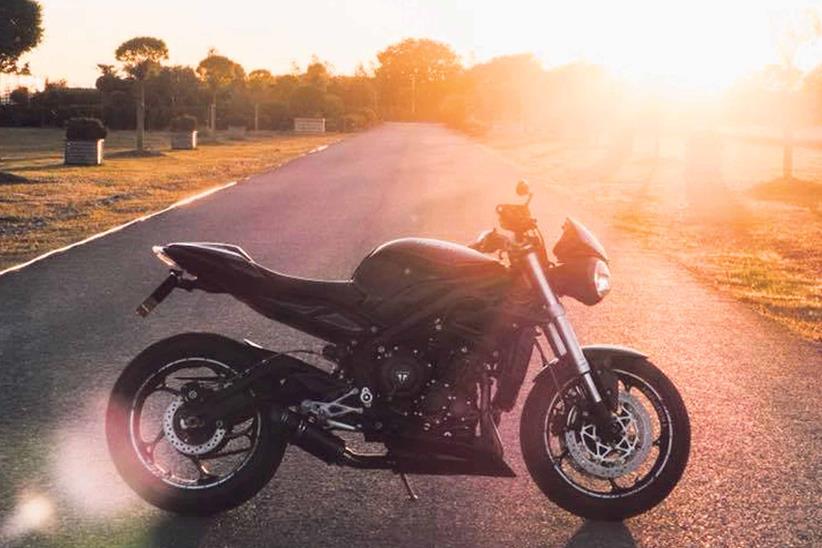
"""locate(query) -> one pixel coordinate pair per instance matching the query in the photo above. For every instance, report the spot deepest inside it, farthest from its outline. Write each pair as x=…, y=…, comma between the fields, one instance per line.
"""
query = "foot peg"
x=412, y=496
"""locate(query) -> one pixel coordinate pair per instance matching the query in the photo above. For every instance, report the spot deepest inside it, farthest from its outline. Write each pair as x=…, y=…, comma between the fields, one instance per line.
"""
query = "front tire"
x=136, y=453
x=591, y=479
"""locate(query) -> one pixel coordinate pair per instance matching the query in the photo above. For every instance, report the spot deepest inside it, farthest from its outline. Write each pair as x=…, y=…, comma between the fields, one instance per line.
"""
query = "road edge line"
x=146, y=217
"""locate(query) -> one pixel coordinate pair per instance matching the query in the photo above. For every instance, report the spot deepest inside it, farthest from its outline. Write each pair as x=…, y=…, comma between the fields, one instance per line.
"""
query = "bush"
x=332, y=106
x=274, y=115
x=237, y=121
x=307, y=102
x=20, y=96
x=85, y=129
x=369, y=114
x=353, y=121
x=184, y=124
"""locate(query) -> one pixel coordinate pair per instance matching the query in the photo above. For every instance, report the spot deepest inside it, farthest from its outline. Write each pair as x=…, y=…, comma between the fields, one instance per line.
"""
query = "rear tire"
x=547, y=470
x=257, y=468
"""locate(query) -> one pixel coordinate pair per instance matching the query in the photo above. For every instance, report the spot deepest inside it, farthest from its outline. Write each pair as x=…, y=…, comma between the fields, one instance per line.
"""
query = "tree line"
x=413, y=79
x=218, y=92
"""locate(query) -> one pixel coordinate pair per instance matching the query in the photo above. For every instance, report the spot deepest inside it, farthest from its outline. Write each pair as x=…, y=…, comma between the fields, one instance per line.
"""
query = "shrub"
x=353, y=121
x=332, y=106
x=307, y=101
x=274, y=115
x=368, y=114
x=85, y=129
x=238, y=121
x=20, y=96
x=184, y=124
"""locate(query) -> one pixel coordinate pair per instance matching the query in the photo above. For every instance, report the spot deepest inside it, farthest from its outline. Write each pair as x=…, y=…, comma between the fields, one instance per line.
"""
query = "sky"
x=699, y=44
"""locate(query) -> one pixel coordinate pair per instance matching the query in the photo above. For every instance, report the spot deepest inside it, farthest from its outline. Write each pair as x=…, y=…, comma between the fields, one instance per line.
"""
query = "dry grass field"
x=55, y=205
x=714, y=203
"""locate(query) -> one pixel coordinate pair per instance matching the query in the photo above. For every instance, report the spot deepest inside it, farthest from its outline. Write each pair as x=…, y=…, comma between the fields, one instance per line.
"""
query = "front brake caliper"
x=608, y=384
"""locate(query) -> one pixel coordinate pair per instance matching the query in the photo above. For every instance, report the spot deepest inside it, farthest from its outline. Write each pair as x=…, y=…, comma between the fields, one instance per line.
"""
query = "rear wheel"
x=601, y=480
x=179, y=463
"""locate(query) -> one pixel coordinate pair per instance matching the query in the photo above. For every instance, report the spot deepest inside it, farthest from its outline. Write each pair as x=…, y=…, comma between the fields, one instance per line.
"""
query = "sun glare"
x=699, y=47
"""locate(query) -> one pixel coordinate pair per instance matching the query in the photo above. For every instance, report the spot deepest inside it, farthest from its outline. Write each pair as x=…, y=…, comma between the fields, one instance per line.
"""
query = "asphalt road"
x=67, y=328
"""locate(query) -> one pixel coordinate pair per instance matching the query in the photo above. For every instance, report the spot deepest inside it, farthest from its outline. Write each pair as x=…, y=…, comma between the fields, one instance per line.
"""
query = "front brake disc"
x=591, y=455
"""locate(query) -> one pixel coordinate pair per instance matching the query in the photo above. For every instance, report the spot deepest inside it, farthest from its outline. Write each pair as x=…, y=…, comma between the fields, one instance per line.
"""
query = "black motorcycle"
x=428, y=345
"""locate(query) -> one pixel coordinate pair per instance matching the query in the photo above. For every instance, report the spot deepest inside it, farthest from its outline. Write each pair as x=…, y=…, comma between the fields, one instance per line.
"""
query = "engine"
x=434, y=390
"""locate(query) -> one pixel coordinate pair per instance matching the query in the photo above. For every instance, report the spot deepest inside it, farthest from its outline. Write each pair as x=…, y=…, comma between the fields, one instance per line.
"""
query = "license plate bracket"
x=159, y=294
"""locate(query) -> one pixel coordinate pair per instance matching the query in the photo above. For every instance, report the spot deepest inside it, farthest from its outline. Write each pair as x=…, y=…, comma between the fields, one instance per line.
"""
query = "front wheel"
x=172, y=460
x=607, y=481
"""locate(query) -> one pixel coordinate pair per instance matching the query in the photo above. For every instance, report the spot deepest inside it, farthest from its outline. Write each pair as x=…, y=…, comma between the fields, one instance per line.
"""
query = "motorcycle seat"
x=231, y=269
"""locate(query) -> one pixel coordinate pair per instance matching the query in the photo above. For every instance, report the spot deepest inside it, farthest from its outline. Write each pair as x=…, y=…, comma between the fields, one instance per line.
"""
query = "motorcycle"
x=428, y=345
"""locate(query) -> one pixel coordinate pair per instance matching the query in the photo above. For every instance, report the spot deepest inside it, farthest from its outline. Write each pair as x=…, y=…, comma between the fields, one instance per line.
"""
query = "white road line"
x=175, y=205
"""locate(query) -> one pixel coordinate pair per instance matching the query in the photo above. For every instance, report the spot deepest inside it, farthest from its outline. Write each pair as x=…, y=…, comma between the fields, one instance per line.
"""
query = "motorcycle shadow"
x=178, y=531
x=610, y=534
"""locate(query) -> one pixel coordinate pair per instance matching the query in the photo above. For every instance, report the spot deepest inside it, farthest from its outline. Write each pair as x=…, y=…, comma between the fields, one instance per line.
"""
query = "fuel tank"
x=402, y=276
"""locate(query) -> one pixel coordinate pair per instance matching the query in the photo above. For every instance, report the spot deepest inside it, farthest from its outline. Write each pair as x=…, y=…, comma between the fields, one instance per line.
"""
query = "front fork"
x=563, y=340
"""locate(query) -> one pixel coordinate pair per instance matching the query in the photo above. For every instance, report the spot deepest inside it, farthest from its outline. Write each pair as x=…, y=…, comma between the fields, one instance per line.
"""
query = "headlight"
x=160, y=251
x=587, y=279
x=602, y=279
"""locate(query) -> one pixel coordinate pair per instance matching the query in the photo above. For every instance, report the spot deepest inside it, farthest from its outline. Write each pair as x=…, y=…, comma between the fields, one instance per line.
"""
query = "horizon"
x=617, y=38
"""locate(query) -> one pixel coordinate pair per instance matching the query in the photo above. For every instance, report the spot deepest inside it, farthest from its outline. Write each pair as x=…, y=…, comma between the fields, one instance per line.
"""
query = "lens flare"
x=33, y=512
x=84, y=473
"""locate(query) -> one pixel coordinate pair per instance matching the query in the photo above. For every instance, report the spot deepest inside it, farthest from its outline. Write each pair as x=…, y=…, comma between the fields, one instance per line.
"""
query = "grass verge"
x=45, y=205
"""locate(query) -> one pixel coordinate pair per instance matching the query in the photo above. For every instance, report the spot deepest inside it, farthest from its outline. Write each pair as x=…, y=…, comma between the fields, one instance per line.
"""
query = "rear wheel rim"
x=218, y=456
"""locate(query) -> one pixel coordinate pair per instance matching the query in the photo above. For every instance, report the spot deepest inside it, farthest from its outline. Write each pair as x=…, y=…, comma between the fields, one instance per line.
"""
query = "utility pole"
x=414, y=94
x=787, y=136
x=141, y=114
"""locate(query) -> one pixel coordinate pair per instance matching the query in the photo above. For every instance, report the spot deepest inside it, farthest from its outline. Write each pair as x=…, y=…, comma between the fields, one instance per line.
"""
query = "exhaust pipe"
x=323, y=444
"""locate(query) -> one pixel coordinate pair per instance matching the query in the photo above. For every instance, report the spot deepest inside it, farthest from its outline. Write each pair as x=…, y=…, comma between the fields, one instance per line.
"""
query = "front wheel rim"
x=657, y=447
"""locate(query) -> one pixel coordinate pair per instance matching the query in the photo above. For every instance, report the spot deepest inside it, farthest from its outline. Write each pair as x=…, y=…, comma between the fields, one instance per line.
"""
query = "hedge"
x=85, y=129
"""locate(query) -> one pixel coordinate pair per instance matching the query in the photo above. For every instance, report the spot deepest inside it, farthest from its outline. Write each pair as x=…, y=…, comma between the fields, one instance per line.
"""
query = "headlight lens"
x=602, y=279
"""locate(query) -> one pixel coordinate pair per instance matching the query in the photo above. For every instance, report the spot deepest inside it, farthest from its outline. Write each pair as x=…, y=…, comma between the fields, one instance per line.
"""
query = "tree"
x=20, y=96
x=796, y=30
x=260, y=83
x=218, y=72
x=415, y=75
x=504, y=87
x=812, y=86
x=317, y=75
x=284, y=86
x=357, y=92
x=141, y=58
x=21, y=29
x=307, y=101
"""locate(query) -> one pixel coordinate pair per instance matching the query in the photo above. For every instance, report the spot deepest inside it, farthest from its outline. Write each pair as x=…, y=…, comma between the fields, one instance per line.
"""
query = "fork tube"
x=560, y=325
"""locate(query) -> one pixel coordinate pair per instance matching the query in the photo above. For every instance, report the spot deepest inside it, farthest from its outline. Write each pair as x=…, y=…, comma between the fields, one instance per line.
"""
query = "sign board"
x=309, y=125
x=84, y=153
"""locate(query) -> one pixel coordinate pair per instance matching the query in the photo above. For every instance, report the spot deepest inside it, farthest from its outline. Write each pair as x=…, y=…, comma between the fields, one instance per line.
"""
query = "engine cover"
x=401, y=373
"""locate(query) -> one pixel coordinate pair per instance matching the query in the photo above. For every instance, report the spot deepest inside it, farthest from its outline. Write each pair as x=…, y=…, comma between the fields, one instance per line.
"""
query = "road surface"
x=67, y=328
